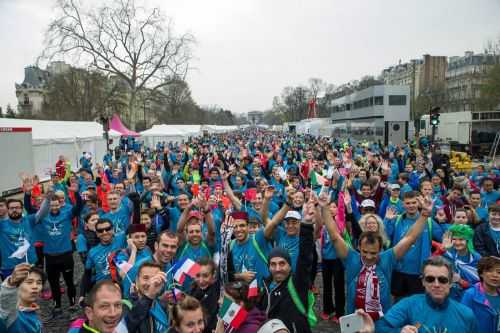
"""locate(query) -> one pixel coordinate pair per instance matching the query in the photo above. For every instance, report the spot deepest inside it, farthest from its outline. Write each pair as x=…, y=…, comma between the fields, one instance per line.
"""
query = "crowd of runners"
x=227, y=233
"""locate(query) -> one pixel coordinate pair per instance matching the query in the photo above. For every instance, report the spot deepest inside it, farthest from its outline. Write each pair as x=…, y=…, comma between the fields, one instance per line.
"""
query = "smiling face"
x=166, y=248
x=240, y=230
x=280, y=269
x=192, y=322
x=411, y=205
x=193, y=231
x=292, y=227
x=106, y=313
x=459, y=244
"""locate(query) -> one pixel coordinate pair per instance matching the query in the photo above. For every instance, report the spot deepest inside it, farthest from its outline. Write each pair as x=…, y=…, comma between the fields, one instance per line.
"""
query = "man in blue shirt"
x=120, y=210
x=405, y=280
x=55, y=232
x=16, y=231
x=371, y=268
x=247, y=259
x=433, y=311
x=97, y=265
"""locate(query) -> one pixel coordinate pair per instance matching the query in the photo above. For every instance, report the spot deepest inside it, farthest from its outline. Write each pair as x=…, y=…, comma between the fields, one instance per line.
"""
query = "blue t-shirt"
x=288, y=243
x=412, y=261
x=327, y=249
x=12, y=236
x=56, y=232
x=353, y=266
x=490, y=198
x=194, y=253
x=246, y=257
x=97, y=258
x=141, y=257
x=449, y=317
x=26, y=321
x=120, y=218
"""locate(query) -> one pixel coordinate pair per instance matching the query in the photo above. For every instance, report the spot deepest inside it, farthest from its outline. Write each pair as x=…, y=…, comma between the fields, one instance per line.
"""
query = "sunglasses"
x=100, y=231
x=441, y=279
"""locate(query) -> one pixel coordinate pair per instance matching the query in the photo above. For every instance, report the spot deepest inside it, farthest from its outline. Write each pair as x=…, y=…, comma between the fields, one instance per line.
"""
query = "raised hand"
x=269, y=193
x=391, y=213
x=131, y=245
x=155, y=202
x=425, y=204
x=20, y=273
x=155, y=285
x=347, y=198
x=324, y=199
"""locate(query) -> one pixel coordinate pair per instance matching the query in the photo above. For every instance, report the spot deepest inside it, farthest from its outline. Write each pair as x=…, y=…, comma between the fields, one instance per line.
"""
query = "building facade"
x=379, y=112
x=421, y=75
x=464, y=78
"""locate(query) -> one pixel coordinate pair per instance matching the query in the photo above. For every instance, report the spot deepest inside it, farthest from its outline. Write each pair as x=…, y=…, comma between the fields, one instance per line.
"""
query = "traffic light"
x=434, y=117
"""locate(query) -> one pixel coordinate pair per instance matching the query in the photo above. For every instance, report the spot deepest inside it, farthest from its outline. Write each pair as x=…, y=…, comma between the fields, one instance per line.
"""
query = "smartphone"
x=351, y=323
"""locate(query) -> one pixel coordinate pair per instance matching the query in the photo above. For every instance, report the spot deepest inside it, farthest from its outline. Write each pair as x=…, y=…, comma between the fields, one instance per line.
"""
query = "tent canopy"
x=117, y=125
x=172, y=130
x=46, y=131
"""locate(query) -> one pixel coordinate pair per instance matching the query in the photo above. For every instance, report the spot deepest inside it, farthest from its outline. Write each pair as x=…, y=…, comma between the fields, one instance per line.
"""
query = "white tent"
x=50, y=139
x=167, y=133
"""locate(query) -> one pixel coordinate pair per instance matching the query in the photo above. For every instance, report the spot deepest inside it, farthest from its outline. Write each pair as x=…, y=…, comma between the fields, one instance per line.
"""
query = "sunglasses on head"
x=100, y=231
x=441, y=279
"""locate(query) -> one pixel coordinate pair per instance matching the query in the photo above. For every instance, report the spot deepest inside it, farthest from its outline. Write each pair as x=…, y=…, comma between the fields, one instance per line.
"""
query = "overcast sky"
x=248, y=50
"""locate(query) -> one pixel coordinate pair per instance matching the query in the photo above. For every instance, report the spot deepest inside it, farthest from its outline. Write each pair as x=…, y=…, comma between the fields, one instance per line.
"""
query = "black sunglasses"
x=100, y=231
x=441, y=279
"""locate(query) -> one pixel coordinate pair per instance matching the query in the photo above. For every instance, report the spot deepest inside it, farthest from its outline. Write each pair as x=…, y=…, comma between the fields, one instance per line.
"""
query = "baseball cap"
x=195, y=215
x=273, y=325
x=367, y=203
x=293, y=214
x=394, y=187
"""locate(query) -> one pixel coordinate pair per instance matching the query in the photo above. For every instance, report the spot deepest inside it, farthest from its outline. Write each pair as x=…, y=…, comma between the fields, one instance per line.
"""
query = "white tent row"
x=314, y=126
x=50, y=139
x=169, y=133
x=179, y=133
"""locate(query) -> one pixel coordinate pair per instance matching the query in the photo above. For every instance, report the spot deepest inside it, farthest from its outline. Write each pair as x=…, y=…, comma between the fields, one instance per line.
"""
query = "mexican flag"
x=317, y=179
x=232, y=314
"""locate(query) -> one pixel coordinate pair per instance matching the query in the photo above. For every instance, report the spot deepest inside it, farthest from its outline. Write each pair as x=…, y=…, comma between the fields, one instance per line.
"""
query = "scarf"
x=368, y=292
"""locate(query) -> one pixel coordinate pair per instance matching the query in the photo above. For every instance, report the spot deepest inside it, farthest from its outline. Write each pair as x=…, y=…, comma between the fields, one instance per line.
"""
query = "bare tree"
x=122, y=39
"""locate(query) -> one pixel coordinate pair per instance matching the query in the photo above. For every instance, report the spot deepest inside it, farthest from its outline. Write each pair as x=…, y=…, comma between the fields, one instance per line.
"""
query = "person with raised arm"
x=369, y=271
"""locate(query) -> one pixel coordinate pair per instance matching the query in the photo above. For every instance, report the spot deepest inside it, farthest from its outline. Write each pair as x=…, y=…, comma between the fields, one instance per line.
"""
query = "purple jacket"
x=253, y=322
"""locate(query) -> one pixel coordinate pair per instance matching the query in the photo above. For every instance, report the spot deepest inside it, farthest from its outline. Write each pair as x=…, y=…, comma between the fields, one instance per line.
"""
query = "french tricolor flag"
x=185, y=267
x=253, y=289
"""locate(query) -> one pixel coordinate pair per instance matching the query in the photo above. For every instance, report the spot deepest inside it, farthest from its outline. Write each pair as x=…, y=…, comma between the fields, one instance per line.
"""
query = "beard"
x=15, y=215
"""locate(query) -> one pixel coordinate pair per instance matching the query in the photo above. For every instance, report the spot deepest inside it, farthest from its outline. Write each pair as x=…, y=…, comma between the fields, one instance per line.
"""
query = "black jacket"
x=483, y=242
x=278, y=303
x=209, y=299
x=138, y=318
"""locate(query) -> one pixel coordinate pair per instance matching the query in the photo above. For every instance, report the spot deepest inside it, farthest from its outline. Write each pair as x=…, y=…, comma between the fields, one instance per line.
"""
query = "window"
x=26, y=99
x=475, y=116
x=397, y=100
x=379, y=100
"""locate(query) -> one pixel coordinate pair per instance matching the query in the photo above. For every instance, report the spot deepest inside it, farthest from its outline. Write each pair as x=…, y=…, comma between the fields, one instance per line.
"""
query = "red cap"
x=133, y=228
x=239, y=215
x=195, y=215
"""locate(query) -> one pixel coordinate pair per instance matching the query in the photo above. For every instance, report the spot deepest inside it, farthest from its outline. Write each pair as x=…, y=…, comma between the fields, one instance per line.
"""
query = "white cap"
x=394, y=186
x=273, y=326
x=293, y=214
x=367, y=203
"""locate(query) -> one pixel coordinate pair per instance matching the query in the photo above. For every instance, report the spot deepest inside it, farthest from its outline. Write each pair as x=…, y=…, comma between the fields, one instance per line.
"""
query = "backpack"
x=312, y=319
